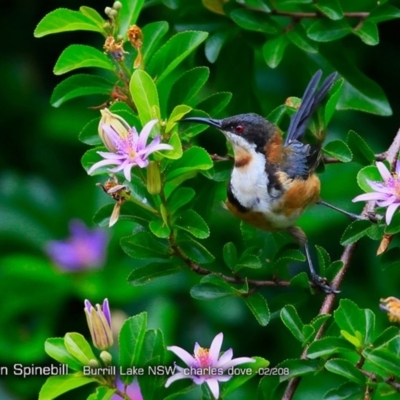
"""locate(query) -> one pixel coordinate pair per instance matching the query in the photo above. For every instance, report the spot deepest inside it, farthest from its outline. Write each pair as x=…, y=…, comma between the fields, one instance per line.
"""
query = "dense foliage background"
x=43, y=187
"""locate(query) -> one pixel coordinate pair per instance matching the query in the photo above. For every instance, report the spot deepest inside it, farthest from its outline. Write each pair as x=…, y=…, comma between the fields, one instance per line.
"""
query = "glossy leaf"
x=368, y=173
x=130, y=340
x=299, y=367
x=177, y=113
x=355, y=231
x=292, y=321
x=259, y=307
x=253, y=21
x=179, y=198
x=325, y=30
x=177, y=151
x=56, y=349
x=347, y=369
x=195, y=251
x=299, y=38
x=248, y=261
x=362, y=153
x=338, y=149
x=152, y=35
x=383, y=12
x=274, y=49
x=331, y=8
x=144, y=275
x=57, y=385
x=102, y=393
x=78, y=347
x=191, y=222
x=93, y=15
x=129, y=14
x=327, y=346
x=80, y=85
x=144, y=245
x=172, y=53
x=346, y=391
x=368, y=33
x=390, y=258
x=81, y=56
x=159, y=228
x=64, y=20
x=215, y=103
x=207, y=291
x=335, y=93
x=214, y=44
x=144, y=94
x=229, y=253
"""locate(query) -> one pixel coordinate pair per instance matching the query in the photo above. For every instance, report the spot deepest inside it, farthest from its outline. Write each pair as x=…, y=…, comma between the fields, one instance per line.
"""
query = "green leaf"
x=390, y=258
x=394, y=226
x=81, y=56
x=177, y=151
x=187, y=86
x=78, y=347
x=79, y=85
x=159, y=228
x=331, y=8
x=215, y=103
x=144, y=94
x=195, y=251
x=324, y=258
x=193, y=159
x=333, y=100
x=347, y=369
x=292, y=321
x=354, y=340
x=346, y=391
x=259, y=307
x=64, y=20
x=299, y=38
x=355, y=231
x=191, y=222
x=56, y=349
x=131, y=337
x=254, y=21
x=301, y=281
x=172, y=53
x=214, y=44
x=152, y=35
x=257, y=4
x=273, y=50
x=177, y=113
x=93, y=15
x=362, y=153
x=297, y=367
x=338, y=149
x=144, y=275
x=57, y=385
x=368, y=33
x=179, y=198
x=102, y=393
x=325, y=30
x=327, y=346
x=208, y=291
x=383, y=12
x=144, y=245
x=267, y=387
x=368, y=173
x=128, y=14
x=229, y=253
x=248, y=261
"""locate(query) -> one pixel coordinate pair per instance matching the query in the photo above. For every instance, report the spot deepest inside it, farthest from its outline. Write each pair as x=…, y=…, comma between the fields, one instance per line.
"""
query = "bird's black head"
x=244, y=130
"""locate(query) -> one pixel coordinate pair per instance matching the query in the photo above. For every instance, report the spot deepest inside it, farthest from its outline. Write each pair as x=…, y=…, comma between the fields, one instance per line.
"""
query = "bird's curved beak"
x=207, y=121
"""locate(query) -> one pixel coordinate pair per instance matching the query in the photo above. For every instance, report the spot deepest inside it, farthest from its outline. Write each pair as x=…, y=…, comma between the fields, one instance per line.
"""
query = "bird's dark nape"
x=309, y=103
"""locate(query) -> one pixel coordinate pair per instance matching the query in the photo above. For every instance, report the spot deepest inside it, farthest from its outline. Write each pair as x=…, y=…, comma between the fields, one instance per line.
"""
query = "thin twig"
x=327, y=305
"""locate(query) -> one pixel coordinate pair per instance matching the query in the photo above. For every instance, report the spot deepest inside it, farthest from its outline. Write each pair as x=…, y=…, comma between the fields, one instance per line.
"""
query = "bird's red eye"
x=239, y=128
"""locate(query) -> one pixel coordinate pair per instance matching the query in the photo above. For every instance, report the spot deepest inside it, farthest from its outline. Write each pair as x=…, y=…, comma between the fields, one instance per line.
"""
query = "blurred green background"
x=43, y=187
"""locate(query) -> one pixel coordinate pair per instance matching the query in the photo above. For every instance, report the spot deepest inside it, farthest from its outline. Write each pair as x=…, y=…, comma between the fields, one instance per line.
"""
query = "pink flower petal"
x=227, y=356
x=176, y=377
x=370, y=196
x=390, y=212
x=144, y=134
x=238, y=361
x=99, y=164
x=385, y=173
x=214, y=387
x=183, y=355
x=398, y=167
x=387, y=202
x=127, y=172
x=215, y=347
x=380, y=187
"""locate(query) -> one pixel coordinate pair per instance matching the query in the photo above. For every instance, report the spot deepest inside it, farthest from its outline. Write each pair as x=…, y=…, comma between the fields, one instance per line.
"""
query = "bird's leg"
x=349, y=214
x=319, y=281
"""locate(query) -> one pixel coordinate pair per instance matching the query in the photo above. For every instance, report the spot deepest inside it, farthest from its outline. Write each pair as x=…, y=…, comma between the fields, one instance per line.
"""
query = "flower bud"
x=117, y=5
x=99, y=323
x=106, y=357
x=153, y=178
x=113, y=13
x=93, y=363
x=111, y=125
x=107, y=10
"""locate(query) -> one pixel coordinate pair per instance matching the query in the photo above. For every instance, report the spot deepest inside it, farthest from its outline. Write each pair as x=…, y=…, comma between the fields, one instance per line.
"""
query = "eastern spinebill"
x=273, y=179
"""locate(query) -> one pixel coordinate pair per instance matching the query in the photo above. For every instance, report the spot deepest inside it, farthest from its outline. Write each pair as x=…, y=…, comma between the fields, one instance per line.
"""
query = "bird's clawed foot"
x=323, y=284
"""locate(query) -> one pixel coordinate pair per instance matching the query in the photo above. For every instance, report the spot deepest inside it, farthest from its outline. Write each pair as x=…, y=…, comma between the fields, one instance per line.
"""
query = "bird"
x=273, y=179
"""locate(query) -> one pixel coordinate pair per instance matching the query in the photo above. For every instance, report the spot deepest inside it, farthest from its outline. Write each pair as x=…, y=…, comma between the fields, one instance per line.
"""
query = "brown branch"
x=333, y=160
x=389, y=381
x=327, y=305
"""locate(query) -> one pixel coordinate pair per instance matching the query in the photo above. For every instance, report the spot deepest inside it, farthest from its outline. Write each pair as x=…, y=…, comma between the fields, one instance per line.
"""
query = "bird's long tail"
x=309, y=103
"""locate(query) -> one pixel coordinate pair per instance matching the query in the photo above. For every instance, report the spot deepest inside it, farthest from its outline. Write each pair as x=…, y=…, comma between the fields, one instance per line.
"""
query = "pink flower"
x=132, y=391
x=206, y=365
x=387, y=193
x=127, y=148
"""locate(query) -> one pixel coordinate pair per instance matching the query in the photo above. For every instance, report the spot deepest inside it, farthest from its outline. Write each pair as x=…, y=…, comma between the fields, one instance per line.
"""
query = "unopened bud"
x=113, y=13
x=107, y=10
x=106, y=357
x=110, y=125
x=93, y=363
x=117, y=5
x=153, y=178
